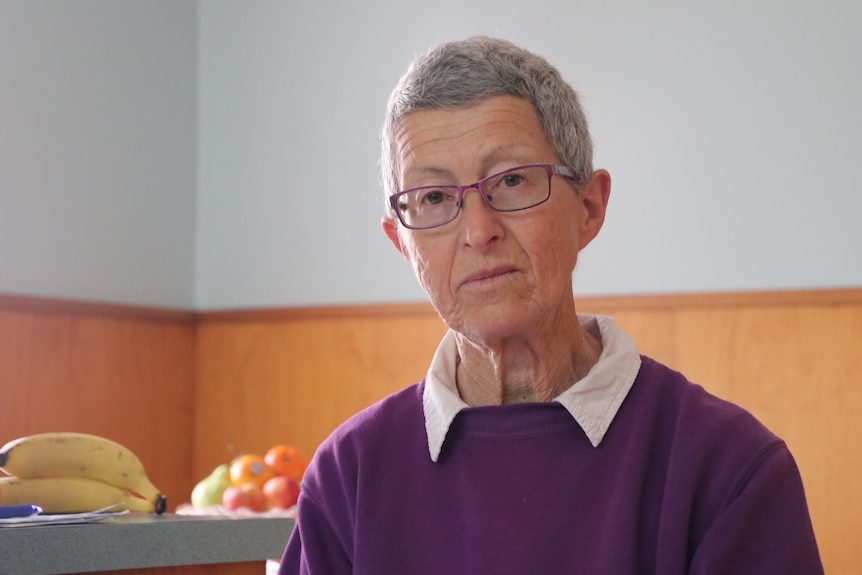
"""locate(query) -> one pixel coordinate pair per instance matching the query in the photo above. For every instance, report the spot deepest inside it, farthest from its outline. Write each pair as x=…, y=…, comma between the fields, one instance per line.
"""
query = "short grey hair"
x=457, y=74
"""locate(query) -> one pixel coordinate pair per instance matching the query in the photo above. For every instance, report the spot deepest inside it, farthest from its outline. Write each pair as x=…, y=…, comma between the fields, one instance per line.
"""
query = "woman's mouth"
x=487, y=276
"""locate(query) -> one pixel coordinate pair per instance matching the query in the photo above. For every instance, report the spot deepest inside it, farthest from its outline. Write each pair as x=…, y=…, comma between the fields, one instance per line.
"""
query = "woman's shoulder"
x=384, y=422
x=694, y=411
x=404, y=405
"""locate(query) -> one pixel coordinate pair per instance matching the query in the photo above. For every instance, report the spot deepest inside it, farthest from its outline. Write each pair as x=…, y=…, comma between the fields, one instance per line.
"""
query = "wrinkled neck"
x=521, y=370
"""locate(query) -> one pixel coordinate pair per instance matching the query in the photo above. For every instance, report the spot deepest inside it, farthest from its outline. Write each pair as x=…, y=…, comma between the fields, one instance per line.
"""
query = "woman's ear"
x=390, y=228
x=594, y=195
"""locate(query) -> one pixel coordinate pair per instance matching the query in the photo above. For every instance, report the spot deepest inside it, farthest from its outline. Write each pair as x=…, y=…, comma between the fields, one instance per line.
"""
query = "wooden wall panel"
x=292, y=378
x=117, y=372
x=179, y=387
x=795, y=361
x=799, y=371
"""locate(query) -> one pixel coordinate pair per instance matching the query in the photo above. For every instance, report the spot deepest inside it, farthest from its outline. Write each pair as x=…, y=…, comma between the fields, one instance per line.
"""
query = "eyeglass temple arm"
x=565, y=171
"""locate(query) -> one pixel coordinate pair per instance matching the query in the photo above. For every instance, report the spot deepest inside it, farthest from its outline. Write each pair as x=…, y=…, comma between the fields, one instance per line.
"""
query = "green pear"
x=209, y=490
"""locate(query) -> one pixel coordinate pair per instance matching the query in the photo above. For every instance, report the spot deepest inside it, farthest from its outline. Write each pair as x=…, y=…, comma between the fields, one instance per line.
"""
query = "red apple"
x=281, y=492
x=246, y=495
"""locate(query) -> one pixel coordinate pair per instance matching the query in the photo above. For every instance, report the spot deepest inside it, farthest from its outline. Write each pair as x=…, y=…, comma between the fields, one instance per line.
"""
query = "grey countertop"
x=136, y=541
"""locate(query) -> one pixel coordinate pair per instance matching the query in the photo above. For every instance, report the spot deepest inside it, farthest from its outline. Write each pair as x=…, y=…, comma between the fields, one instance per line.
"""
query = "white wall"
x=98, y=104
x=222, y=154
x=732, y=132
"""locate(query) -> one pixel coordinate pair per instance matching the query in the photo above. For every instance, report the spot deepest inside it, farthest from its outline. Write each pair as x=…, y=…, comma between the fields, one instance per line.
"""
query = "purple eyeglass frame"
x=551, y=169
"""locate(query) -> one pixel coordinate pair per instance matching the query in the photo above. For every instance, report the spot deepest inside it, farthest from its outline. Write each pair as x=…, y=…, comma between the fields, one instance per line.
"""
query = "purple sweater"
x=683, y=483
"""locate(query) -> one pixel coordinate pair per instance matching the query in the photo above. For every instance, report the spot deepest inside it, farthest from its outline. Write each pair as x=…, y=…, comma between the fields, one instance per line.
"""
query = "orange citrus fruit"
x=286, y=460
x=250, y=468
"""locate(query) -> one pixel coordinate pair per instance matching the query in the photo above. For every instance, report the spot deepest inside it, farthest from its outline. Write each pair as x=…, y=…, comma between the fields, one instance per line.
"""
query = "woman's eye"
x=434, y=197
x=512, y=180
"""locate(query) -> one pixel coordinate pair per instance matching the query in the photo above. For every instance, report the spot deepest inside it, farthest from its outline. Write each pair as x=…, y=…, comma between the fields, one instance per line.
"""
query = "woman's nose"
x=480, y=224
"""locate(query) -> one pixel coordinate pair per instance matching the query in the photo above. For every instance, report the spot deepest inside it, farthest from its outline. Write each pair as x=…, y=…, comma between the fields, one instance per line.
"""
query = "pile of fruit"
x=253, y=482
x=65, y=472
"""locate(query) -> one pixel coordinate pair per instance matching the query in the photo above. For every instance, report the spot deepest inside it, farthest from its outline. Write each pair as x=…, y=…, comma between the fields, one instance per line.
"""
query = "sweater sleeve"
x=314, y=547
x=764, y=526
x=322, y=540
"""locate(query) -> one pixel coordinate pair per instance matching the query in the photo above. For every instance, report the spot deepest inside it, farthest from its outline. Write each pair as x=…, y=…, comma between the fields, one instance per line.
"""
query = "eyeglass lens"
x=515, y=189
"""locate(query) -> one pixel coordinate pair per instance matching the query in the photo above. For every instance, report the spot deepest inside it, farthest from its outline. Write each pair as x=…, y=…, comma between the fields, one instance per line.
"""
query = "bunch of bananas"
x=64, y=472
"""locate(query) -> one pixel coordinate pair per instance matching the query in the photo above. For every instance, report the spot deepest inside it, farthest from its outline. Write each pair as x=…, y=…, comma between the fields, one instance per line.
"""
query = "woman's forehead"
x=497, y=130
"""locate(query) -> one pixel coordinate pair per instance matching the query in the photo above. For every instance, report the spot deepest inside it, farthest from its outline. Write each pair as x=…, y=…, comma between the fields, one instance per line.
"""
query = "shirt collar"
x=593, y=402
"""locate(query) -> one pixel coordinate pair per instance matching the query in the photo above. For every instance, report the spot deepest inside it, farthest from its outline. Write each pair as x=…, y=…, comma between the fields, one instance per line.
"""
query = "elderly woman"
x=540, y=441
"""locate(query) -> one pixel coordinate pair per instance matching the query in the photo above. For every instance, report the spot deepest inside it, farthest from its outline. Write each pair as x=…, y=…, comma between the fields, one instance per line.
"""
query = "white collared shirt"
x=593, y=401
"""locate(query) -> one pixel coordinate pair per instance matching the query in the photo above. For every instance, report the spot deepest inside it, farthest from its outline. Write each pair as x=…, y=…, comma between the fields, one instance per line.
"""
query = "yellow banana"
x=68, y=494
x=81, y=455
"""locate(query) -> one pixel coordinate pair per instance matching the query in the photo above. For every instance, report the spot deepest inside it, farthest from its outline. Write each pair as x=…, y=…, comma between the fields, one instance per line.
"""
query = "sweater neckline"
x=515, y=420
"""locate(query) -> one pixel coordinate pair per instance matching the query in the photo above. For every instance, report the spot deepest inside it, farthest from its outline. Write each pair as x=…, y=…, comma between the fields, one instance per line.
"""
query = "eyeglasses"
x=515, y=189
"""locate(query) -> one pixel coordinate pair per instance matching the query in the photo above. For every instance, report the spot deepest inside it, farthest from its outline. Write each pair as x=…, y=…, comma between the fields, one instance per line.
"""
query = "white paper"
x=64, y=518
